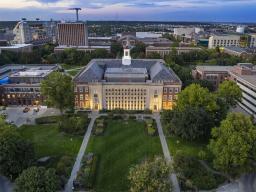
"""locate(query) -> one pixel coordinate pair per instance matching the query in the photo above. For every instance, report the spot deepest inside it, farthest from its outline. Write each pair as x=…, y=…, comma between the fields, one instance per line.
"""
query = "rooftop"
x=150, y=69
x=216, y=68
x=15, y=46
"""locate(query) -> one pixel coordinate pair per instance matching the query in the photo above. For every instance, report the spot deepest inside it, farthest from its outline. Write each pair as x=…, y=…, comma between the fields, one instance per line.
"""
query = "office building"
x=163, y=51
x=214, y=74
x=223, y=41
x=20, y=84
x=72, y=34
x=129, y=84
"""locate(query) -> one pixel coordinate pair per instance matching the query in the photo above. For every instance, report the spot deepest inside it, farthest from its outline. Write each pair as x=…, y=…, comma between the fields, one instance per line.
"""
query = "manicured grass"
x=48, y=141
x=74, y=72
x=191, y=148
x=67, y=67
x=124, y=144
x=176, y=144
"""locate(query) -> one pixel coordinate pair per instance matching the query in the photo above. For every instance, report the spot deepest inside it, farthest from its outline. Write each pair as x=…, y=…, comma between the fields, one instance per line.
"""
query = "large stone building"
x=130, y=84
x=224, y=40
x=20, y=84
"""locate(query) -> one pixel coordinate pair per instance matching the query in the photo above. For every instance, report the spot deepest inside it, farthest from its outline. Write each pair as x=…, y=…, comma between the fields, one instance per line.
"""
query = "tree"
x=58, y=90
x=16, y=153
x=191, y=123
x=37, y=179
x=233, y=145
x=230, y=92
x=196, y=96
x=116, y=49
x=150, y=176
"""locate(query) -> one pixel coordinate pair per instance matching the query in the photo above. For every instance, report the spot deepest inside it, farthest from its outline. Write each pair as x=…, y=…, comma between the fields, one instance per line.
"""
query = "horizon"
x=216, y=11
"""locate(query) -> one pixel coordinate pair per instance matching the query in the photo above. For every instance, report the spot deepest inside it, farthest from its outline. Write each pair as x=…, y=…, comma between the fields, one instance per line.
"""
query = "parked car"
x=26, y=109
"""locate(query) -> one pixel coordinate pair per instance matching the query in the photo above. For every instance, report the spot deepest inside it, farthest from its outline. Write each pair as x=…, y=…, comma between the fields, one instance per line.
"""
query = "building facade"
x=244, y=74
x=214, y=74
x=20, y=84
x=129, y=84
x=72, y=34
x=223, y=41
x=35, y=32
x=163, y=51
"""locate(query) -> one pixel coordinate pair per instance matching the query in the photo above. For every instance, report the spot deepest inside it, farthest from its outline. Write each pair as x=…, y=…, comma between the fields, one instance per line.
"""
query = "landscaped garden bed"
x=150, y=126
x=124, y=144
x=86, y=176
x=99, y=126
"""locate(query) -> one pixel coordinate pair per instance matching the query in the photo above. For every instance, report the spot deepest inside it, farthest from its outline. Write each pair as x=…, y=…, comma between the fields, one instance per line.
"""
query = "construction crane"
x=77, y=10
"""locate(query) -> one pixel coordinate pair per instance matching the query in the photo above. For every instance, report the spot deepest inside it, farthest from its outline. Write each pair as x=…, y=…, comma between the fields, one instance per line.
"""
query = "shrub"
x=47, y=120
x=75, y=125
x=151, y=131
x=193, y=175
x=63, y=169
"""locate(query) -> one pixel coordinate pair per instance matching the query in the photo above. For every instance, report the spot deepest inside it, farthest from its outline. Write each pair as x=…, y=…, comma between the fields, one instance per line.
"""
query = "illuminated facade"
x=130, y=84
x=20, y=84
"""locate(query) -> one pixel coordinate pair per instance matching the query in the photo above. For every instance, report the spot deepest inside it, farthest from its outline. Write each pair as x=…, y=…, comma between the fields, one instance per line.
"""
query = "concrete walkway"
x=166, y=152
x=77, y=165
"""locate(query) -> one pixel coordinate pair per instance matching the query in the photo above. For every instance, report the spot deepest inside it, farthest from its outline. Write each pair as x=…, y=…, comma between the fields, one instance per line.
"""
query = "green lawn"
x=68, y=67
x=124, y=144
x=74, y=72
x=175, y=144
x=48, y=141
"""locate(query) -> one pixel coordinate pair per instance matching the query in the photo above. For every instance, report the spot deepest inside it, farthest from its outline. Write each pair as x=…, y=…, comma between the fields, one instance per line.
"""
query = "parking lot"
x=16, y=115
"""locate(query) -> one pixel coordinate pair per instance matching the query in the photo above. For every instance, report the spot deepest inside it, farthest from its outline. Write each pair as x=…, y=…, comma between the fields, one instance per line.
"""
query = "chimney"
x=126, y=60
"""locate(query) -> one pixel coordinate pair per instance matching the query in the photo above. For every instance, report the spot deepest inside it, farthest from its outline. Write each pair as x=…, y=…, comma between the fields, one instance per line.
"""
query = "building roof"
x=15, y=46
x=153, y=69
x=214, y=68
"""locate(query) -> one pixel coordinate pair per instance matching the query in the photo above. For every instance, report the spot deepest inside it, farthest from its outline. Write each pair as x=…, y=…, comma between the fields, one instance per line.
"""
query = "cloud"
x=126, y=10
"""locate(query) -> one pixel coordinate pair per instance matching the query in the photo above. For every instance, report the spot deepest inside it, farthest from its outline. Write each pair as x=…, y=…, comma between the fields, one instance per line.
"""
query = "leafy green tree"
x=196, y=96
x=193, y=175
x=37, y=179
x=233, y=145
x=116, y=49
x=230, y=92
x=150, y=176
x=139, y=50
x=16, y=153
x=190, y=123
x=58, y=89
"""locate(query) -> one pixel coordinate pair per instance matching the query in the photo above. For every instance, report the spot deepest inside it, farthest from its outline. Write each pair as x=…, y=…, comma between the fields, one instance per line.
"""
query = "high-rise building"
x=35, y=32
x=72, y=34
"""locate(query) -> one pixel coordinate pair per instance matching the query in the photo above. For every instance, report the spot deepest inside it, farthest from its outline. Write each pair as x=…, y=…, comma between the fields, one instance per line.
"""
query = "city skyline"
x=162, y=10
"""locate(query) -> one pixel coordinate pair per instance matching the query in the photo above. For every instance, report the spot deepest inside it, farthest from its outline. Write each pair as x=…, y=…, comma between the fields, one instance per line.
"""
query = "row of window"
x=226, y=41
x=24, y=89
x=171, y=89
x=169, y=98
x=81, y=89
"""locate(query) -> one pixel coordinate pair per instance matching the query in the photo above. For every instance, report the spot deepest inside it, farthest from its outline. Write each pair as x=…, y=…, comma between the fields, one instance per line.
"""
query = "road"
x=77, y=165
x=166, y=152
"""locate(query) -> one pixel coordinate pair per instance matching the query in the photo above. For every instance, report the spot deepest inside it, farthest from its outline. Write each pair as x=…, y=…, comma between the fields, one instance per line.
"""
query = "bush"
x=63, y=169
x=87, y=173
x=193, y=175
x=151, y=131
x=47, y=120
x=75, y=124
x=99, y=126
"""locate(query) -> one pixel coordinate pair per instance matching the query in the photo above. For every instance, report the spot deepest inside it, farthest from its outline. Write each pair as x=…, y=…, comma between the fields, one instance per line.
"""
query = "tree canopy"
x=16, y=153
x=37, y=179
x=196, y=96
x=58, y=89
x=230, y=92
x=150, y=176
x=233, y=145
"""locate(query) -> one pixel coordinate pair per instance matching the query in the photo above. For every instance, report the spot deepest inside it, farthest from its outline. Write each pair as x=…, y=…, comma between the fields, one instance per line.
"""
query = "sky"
x=130, y=10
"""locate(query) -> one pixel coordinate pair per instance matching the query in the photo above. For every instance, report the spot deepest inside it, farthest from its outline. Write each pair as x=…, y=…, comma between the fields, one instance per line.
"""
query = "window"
x=165, y=90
